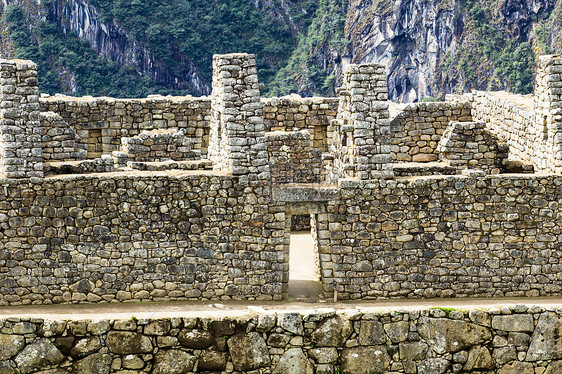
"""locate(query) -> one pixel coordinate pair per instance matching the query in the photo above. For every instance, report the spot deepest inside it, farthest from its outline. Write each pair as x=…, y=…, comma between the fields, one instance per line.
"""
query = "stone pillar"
x=237, y=141
x=21, y=154
x=361, y=146
x=548, y=115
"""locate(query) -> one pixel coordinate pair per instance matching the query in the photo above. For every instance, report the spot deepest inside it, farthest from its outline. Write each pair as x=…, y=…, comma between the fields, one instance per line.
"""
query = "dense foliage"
x=67, y=64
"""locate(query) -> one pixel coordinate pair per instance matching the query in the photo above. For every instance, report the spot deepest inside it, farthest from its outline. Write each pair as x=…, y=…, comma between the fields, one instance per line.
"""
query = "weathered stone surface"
x=554, y=368
x=518, y=368
x=6, y=368
x=413, y=351
x=365, y=360
x=504, y=355
x=196, y=339
x=332, y=332
x=291, y=322
x=160, y=327
x=479, y=358
x=173, y=361
x=326, y=355
x=294, y=361
x=545, y=342
x=434, y=366
x=444, y=335
x=514, y=322
x=124, y=343
x=51, y=328
x=397, y=331
x=371, y=333
x=10, y=345
x=212, y=361
x=96, y=363
x=248, y=351
x=37, y=355
x=85, y=346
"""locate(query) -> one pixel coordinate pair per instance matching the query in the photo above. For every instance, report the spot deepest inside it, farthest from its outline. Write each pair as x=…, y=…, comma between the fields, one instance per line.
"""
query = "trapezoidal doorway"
x=304, y=275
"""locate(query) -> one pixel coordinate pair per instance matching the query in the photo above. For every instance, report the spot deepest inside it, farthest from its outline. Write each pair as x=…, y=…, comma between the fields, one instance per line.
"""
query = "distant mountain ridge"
x=134, y=48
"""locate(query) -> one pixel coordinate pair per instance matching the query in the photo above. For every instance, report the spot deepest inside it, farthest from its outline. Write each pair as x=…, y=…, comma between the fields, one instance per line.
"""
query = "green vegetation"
x=307, y=66
x=66, y=64
x=200, y=28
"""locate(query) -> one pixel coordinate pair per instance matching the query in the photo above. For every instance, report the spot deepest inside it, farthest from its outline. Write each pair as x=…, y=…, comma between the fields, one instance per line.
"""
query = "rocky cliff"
x=112, y=41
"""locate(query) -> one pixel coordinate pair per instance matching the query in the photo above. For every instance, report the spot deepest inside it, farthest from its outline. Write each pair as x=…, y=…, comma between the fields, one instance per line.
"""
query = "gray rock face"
x=93, y=364
x=294, y=361
x=85, y=346
x=444, y=335
x=10, y=345
x=248, y=351
x=365, y=360
x=479, y=358
x=291, y=322
x=397, y=331
x=333, y=332
x=545, y=342
x=196, y=339
x=519, y=368
x=514, y=322
x=434, y=366
x=38, y=355
x=371, y=333
x=125, y=342
x=413, y=351
x=173, y=361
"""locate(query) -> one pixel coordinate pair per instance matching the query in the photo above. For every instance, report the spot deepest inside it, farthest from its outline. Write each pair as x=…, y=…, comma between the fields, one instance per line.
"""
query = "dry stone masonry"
x=516, y=340
x=167, y=198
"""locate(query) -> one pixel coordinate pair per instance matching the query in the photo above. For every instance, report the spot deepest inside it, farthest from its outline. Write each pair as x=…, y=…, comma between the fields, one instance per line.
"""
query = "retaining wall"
x=516, y=340
x=444, y=236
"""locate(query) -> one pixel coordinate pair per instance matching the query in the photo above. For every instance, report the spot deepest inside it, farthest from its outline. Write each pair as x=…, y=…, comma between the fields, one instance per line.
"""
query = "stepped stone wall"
x=417, y=129
x=516, y=340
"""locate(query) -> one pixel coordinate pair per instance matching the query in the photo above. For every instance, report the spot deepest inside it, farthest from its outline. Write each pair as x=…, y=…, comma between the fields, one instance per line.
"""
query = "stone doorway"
x=304, y=272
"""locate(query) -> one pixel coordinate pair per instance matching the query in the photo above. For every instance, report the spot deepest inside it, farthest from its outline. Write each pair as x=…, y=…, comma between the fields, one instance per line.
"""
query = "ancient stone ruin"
x=182, y=198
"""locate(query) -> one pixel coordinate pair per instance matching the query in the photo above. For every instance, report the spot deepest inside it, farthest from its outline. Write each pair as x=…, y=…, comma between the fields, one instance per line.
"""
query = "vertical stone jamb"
x=548, y=115
x=237, y=140
x=21, y=154
x=361, y=147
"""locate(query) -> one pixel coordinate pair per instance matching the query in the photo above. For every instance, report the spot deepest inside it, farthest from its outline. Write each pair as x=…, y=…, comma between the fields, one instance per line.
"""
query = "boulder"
x=294, y=361
x=196, y=339
x=333, y=332
x=291, y=322
x=173, y=361
x=434, y=366
x=446, y=335
x=96, y=363
x=85, y=346
x=479, y=358
x=37, y=356
x=248, y=351
x=125, y=343
x=10, y=345
x=412, y=351
x=545, y=341
x=365, y=360
x=554, y=368
x=397, y=331
x=514, y=322
x=212, y=361
x=371, y=333
x=158, y=327
x=519, y=368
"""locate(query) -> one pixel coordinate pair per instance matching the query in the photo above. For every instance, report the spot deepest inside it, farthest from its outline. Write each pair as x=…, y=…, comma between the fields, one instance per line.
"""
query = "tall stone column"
x=21, y=153
x=548, y=115
x=237, y=141
x=361, y=146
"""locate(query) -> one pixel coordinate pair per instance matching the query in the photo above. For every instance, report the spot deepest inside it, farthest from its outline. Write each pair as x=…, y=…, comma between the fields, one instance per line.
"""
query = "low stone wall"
x=291, y=158
x=59, y=140
x=161, y=145
x=516, y=340
x=143, y=236
x=293, y=113
x=449, y=236
x=417, y=129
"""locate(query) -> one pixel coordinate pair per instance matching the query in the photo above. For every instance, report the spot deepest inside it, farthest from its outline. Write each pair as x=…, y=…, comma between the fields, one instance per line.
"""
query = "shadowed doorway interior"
x=304, y=282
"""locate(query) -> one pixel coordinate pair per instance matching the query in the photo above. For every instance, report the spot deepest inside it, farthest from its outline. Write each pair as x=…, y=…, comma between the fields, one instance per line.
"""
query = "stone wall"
x=515, y=340
x=142, y=237
x=291, y=158
x=161, y=145
x=468, y=145
x=112, y=119
x=417, y=129
x=449, y=236
x=60, y=141
x=293, y=113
